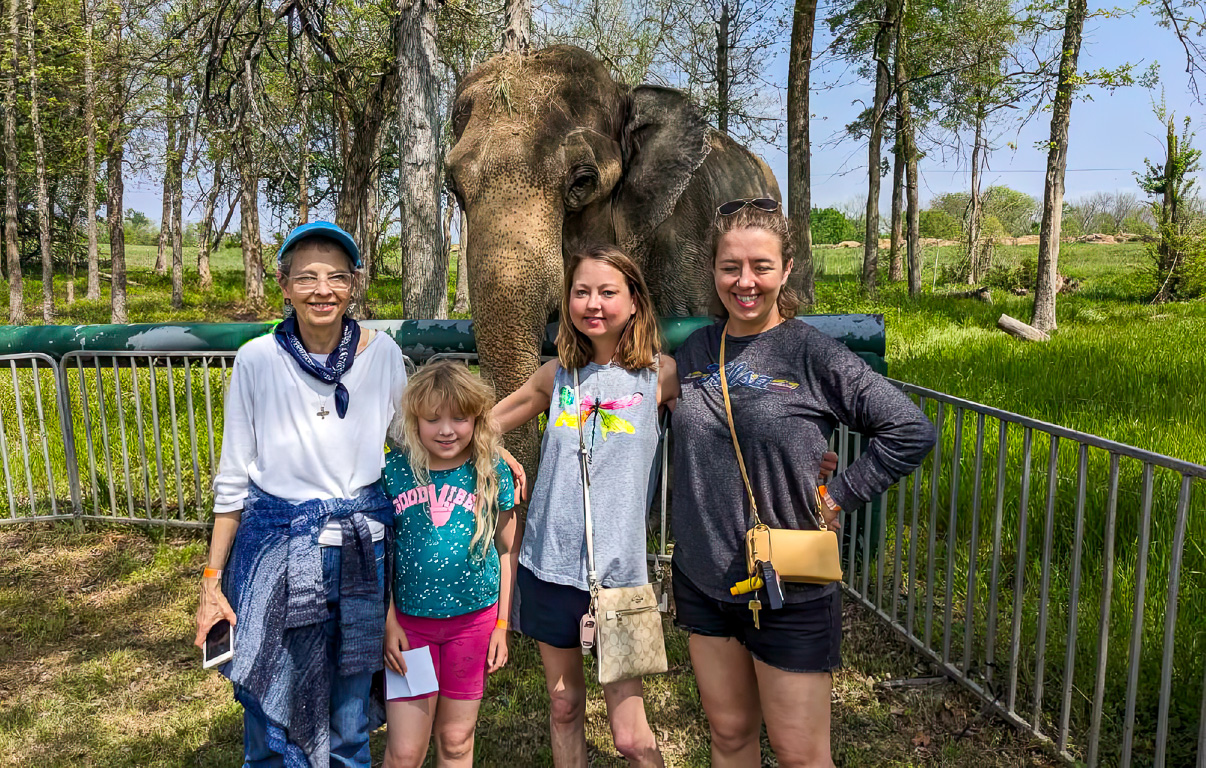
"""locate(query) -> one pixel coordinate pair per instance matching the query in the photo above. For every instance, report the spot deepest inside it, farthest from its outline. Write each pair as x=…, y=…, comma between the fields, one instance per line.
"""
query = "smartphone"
x=219, y=645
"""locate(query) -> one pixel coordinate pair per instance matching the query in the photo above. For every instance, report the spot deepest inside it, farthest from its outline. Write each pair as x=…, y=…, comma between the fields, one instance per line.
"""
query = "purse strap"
x=592, y=577
x=728, y=412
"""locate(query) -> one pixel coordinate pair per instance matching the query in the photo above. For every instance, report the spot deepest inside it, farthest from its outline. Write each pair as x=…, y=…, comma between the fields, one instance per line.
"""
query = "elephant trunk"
x=513, y=255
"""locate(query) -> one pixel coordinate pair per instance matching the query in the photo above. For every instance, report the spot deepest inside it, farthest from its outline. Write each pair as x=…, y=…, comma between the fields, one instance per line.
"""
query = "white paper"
x=420, y=675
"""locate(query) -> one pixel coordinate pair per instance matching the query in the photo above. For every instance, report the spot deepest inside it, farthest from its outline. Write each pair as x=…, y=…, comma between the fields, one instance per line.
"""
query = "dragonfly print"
x=598, y=414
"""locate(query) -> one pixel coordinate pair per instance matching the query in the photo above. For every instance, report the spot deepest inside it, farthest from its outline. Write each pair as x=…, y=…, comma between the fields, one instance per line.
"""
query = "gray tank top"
x=621, y=434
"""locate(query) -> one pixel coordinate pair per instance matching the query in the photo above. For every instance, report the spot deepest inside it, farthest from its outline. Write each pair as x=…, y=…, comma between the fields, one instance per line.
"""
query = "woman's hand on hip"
x=496, y=659
x=212, y=609
x=521, y=478
x=395, y=643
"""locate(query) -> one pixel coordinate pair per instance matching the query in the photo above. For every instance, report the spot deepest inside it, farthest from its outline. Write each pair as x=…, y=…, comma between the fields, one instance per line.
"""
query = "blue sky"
x=1113, y=131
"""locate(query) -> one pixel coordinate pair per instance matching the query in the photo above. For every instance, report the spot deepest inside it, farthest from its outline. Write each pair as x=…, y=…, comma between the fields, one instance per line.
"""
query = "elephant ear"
x=664, y=140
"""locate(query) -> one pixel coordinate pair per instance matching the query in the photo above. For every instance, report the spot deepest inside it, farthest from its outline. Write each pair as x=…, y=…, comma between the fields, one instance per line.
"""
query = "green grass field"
x=1118, y=367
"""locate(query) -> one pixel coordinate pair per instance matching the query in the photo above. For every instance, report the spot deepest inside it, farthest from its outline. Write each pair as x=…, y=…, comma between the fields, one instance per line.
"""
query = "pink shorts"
x=459, y=646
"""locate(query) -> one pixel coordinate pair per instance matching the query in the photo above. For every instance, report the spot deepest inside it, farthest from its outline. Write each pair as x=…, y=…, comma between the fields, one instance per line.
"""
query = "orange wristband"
x=211, y=573
x=825, y=497
x=500, y=624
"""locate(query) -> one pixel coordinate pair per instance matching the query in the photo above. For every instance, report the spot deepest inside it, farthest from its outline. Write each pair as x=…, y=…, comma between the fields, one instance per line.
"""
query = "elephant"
x=551, y=154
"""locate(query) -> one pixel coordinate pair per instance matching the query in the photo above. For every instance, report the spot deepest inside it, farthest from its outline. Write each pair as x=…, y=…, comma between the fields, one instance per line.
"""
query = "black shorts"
x=547, y=612
x=799, y=637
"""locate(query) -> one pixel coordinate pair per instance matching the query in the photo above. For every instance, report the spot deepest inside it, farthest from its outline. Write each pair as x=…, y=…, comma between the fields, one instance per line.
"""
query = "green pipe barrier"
x=420, y=339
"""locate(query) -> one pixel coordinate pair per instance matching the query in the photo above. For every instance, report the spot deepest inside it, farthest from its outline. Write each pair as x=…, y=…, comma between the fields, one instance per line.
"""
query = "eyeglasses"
x=336, y=281
x=761, y=203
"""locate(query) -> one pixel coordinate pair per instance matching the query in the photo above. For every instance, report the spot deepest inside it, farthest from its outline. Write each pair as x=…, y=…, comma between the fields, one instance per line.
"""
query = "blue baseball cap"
x=321, y=229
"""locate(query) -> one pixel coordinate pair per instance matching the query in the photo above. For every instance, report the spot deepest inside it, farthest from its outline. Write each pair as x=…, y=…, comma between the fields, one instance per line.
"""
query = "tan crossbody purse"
x=810, y=557
x=623, y=624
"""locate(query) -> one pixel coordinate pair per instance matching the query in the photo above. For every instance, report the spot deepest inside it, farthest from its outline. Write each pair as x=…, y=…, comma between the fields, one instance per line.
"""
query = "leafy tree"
x=1180, y=251
x=830, y=226
x=939, y=224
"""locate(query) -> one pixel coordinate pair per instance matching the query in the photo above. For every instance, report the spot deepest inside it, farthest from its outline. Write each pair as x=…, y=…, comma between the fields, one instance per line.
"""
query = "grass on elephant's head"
x=97, y=667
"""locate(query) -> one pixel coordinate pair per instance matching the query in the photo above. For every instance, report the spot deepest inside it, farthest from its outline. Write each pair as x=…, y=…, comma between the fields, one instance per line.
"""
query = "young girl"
x=609, y=335
x=454, y=559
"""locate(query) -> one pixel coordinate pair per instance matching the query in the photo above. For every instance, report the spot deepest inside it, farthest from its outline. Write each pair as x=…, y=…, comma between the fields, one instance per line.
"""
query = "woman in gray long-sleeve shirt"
x=790, y=387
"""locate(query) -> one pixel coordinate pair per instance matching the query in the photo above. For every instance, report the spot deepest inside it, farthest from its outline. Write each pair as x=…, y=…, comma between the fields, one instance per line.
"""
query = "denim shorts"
x=799, y=637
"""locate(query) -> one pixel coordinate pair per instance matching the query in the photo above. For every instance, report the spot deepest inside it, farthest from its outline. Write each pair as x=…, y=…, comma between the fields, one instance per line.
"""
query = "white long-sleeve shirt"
x=274, y=435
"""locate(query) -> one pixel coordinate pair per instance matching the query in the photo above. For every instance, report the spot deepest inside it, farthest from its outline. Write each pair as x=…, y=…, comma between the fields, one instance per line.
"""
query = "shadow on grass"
x=115, y=681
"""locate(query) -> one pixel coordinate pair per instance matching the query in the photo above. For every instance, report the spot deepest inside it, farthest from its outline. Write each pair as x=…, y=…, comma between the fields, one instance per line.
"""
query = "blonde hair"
x=640, y=342
x=774, y=222
x=449, y=383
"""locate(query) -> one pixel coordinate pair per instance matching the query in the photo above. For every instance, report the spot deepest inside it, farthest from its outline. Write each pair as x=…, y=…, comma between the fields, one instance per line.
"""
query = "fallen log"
x=982, y=294
x=1020, y=330
x=109, y=278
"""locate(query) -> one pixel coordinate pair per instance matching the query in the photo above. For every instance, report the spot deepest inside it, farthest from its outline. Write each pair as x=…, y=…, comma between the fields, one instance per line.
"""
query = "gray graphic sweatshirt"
x=790, y=387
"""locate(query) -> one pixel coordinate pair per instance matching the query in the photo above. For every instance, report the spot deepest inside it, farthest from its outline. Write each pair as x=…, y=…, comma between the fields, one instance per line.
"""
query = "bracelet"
x=825, y=497
x=500, y=624
x=211, y=573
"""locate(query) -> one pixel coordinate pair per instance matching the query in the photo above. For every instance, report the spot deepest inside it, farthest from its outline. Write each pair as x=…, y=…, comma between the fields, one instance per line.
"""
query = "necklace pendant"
x=323, y=413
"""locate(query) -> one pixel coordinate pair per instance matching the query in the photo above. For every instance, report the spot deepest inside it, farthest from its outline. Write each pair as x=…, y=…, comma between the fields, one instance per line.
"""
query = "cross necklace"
x=322, y=412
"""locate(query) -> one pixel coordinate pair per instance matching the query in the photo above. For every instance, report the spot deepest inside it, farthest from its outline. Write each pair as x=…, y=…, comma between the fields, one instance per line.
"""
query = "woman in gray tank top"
x=608, y=334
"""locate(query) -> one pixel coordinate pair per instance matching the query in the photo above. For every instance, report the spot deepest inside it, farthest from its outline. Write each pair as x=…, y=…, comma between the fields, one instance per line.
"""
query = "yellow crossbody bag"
x=811, y=557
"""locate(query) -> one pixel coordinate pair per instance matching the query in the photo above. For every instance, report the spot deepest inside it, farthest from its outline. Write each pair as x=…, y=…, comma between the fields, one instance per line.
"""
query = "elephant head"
x=550, y=154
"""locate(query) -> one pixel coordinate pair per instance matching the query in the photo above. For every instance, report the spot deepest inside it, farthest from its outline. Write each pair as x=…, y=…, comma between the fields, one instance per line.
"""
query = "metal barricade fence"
x=145, y=432
x=1068, y=594
x=1071, y=601
x=35, y=442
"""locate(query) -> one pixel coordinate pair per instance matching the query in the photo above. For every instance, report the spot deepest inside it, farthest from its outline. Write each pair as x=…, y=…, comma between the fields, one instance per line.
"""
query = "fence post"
x=69, y=455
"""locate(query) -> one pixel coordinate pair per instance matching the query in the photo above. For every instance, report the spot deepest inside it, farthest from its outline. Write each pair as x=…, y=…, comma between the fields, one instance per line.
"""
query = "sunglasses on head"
x=761, y=203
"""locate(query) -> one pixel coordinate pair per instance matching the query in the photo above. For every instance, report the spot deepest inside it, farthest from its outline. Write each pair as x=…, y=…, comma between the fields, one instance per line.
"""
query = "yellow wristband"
x=211, y=573
x=500, y=624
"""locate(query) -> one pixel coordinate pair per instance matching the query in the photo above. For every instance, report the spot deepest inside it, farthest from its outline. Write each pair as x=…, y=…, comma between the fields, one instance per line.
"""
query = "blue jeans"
x=349, y=695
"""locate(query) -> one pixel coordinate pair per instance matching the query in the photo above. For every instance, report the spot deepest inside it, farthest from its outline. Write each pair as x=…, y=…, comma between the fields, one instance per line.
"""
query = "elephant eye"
x=581, y=187
x=583, y=177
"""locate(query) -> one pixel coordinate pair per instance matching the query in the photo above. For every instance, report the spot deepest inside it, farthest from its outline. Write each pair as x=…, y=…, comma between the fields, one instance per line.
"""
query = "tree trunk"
x=446, y=232
x=976, y=208
x=462, y=268
x=517, y=32
x=220, y=232
x=1169, y=225
x=303, y=140
x=799, y=173
x=16, y=287
x=178, y=153
x=913, y=207
x=93, y=293
x=908, y=144
x=895, y=265
x=43, y=198
x=722, y=68
x=883, y=77
x=207, y=229
x=249, y=215
x=1057, y=163
x=169, y=152
x=370, y=225
x=424, y=268
x=115, y=201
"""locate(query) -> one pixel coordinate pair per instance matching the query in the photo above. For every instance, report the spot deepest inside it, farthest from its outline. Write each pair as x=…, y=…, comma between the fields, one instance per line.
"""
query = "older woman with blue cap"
x=299, y=510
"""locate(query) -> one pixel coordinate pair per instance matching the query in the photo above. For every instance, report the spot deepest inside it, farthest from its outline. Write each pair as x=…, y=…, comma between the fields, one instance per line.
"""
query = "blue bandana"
x=338, y=363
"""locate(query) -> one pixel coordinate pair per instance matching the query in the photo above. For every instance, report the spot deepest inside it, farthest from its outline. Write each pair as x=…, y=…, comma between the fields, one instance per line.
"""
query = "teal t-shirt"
x=436, y=574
